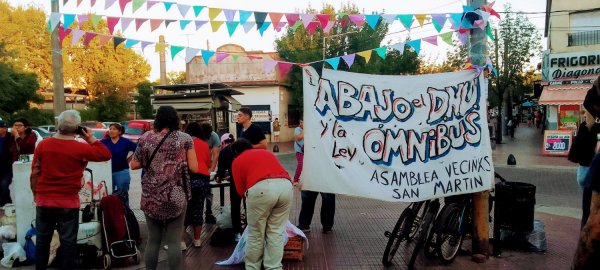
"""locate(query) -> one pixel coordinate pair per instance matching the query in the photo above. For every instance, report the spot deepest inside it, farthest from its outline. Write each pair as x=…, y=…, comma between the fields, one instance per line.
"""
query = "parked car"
x=100, y=133
x=107, y=124
x=49, y=128
x=42, y=132
x=136, y=128
x=93, y=124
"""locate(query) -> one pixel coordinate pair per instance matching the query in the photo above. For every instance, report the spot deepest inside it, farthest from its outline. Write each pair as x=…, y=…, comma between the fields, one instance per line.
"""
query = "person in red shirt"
x=260, y=178
x=56, y=173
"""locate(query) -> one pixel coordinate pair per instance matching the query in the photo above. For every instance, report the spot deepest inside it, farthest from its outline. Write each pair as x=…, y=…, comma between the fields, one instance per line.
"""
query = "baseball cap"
x=3, y=124
x=226, y=136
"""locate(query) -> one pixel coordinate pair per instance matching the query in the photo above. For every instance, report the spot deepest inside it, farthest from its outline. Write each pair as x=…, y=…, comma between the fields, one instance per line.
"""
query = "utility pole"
x=163, y=62
x=500, y=99
x=58, y=85
x=481, y=230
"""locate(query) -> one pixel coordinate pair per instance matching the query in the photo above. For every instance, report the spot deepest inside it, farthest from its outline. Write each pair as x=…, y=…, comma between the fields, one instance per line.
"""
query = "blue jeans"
x=66, y=221
x=308, y=208
x=121, y=180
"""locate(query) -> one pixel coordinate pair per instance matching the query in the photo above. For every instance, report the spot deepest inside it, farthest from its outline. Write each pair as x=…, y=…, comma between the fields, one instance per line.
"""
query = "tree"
x=296, y=45
x=111, y=103
x=455, y=60
x=143, y=101
x=517, y=43
x=176, y=77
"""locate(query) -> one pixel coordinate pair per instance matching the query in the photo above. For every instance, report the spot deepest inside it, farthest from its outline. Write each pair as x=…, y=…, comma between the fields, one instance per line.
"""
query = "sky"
x=204, y=38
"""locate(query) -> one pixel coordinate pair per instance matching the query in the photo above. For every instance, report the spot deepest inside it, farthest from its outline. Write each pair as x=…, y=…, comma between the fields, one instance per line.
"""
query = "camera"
x=80, y=131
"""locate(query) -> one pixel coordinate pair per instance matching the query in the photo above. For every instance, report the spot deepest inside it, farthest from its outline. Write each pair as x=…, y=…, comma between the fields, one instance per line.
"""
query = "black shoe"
x=210, y=219
x=304, y=229
x=327, y=230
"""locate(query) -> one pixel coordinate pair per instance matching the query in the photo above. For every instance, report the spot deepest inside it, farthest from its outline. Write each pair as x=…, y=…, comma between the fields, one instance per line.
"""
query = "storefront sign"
x=561, y=66
x=261, y=116
x=557, y=142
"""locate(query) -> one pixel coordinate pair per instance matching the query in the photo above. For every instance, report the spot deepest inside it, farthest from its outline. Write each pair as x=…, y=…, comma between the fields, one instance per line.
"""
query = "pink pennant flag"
x=122, y=4
x=93, y=3
x=480, y=23
x=349, y=59
x=279, y=26
x=88, y=38
x=323, y=19
x=112, y=21
x=108, y=3
x=103, y=39
x=62, y=33
x=125, y=22
x=221, y=56
x=311, y=27
x=81, y=19
x=284, y=68
x=79, y=2
x=155, y=23
x=431, y=39
x=275, y=18
x=253, y=57
x=328, y=27
x=291, y=18
x=306, y=19
x=357, y=19
x=77, y=34
x=139, y=22
x=269, y=64
x=151, y=3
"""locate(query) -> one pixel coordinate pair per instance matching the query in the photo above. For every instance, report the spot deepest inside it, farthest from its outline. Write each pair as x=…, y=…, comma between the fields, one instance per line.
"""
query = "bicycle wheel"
x=398, y=234
x=431, y=245
x=450, y=237
x=424, y=231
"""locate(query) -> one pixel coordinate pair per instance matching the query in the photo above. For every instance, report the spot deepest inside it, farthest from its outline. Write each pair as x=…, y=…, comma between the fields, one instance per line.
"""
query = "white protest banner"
x=396, y=138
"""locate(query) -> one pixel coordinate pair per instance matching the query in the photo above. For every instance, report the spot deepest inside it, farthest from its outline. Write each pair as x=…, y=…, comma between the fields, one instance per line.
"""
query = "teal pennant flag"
x=175, y=50
x=333, y=62
x=206, y=55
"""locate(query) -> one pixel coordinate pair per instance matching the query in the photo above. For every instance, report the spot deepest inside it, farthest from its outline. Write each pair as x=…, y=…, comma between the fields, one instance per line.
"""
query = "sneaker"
x=304, y=229
x=182, y=246
x=197, y=243
x=327, y=230
x=210, y=219
x=238, y=236
x=190, y=230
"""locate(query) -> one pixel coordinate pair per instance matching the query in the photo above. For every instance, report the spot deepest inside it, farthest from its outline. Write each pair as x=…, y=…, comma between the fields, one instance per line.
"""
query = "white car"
x=50, y=128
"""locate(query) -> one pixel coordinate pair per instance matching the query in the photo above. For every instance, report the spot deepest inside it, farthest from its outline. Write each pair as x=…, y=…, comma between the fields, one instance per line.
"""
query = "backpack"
x=29, y=244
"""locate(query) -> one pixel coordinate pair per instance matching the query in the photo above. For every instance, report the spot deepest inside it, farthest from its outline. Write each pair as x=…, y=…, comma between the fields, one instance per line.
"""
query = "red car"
x=136, y=128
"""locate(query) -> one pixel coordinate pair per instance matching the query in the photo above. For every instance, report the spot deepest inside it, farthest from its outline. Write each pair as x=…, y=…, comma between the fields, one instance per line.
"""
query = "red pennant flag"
x=122, y=4
x=103, y=39
x=324, y=19
x=112, y=21
x=88, y=38
x=344, y=22
x=155, y=23
x=62, y=33
x=253, y=57
x=284, y=68
x=275, y=18
x=292, y=18
x=139, y=22
x=311, y=27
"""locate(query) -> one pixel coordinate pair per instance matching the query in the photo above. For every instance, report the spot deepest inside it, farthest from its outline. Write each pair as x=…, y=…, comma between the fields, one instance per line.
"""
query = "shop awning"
x=205, y=103
x=564, y=94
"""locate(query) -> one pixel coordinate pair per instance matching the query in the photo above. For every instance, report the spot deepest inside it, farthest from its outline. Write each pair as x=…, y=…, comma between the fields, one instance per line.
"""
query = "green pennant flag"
x=175, y=50
x=295, y=27
x=437, y=26
x=489, y=32
x=235, y=57
x=197, y=10
x=381, y=52
x=96, y=19
x=137, y=4
x=447, y=37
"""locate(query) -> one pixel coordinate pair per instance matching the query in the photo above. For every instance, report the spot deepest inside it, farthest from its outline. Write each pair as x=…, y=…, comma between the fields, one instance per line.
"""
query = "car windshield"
x=134, y=131
x=99, y=133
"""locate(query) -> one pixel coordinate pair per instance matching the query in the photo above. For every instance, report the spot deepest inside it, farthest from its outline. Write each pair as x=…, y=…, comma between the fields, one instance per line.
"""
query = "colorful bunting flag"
x=122, y=4
x=489, y=32
x=215, y=25
x=248, y=26
x=154, y=24
x=284, y=68
x=296, y=25
x=382, y=51
x=190, y=53
x=466, y=24
x=96, y=20
x=269, y=64
x=184, y=23
x=431, y=40
x=231, y=26
x=54, y=20
x=372, y=20
x=130, y=43
x=292, y=18
x=323, y=19
x=349, y=59
x=235, y=57
x=145, y=44
x=79, y=2
x=389, y=18
x=229, y=14
x=438, y=21
x=468, y=9
x=168, y=5
x=275, y=18
x=103, y=39
x=112, y=21
x=197, y=10
x=206, y=55
x=259, y=18
x=406, y=20
x=93, y=3
x=311, y=27
x=199, y=24
x=81, y=19
x=415, y=44
x=117, y=41
x=333, y=62
x=253, y=57
x=88, y=38
x=306, y=19
x=264, y=28
x=125, y=22
x=139, y=22
x=447, y=37
x=221, y=56
x=77, y=34
x=68, y=19
x=108, y=3
x=455, y=20
x=357, y=19
x=150, y=4
x=479, y=24
x=463, y=37
x=485, y=16
x=420, y=19
x=167, y=22
x=366, y=55
x=213, y=13
x=183, y=9
x=327, y=28
x=137, y=4
x=175, y=50
x=244, y=16
x=398, y=47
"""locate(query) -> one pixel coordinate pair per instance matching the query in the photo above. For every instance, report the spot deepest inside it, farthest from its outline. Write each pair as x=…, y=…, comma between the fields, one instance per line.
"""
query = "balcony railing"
x=584, y=38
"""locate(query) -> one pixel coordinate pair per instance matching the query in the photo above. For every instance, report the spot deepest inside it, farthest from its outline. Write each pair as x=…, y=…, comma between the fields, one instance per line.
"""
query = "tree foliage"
x=456, y=57
x=112, y=104
x=143, y=104
x=300, y=47
x=176, y=77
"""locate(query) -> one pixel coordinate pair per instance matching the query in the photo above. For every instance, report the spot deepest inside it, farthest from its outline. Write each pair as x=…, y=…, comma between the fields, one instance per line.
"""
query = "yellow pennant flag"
x=216, y=25
x=213, y=13
x=366, y=55
x=420, y=18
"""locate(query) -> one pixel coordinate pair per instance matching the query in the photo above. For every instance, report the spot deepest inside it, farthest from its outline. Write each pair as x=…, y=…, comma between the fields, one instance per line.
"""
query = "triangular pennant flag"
x=296, y=25
x=485, y=16
x=420, y=19
x=311, y=27
x=62, y=33
x=213, y=13
x=235, y=57
x=68, y=19
x=389, y=18
x=431, y=40
x=455, y=20
x=260, y=17
x=108, y=4
x=275, y=18
x=197, y=10
x=292, y=18
x=215, y=25
x=333, y=62
x=77, y=34
x=372, y=20
x=447, y=37
x=81, y=19
x=269, y=64
x=344, y=22
x=279, y=26
x=183, y=9
x=318, y=66
x=175, y=50
x=130, y=43
x=229, y=14
x=160, y=47
x=125, y=22
x=244, y=16
x=406, y=20
x=489, y=32
x=253, y=57
x=111, y=22
x=139, y=22
x=306, y=19
x=145, y=44
x=357, y=19
x=117, y=41
x=468, y=9
x=480, y=24
x=221, y=56
x=398, y=47
x=167, y=22
x=415, y=44
x=183, y=24
x=323, y=19
x=103, y=39
x=199, y=24
x=231, y=26
x=284, y=68
x=248, y=26
x=122, y=4
x=206, y=55
x=327, y=28
x=349, y=59
x=190, y=53
x=96, y=20
x=54, y=20
x=466, y=24
x=93, y=3
x=438, y=21
x=88, y=38
x=381, y=52
x=264, y=27
x=137, y=4
x=79, y=2
x=168, y=5
x=463, y=38
x=366, y=55
x=155, y=23
x=150, y=4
